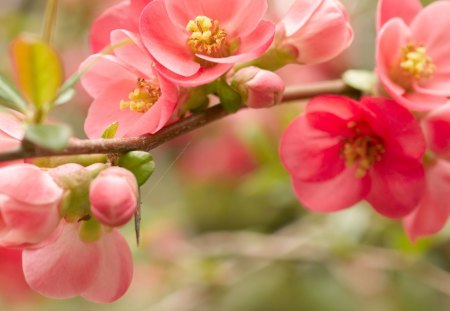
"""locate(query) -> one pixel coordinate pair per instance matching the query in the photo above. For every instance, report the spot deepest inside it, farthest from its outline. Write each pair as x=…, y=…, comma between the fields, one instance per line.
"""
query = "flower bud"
x=114, y=196
x=29, y=200
x=314, y=31
x=259, y=88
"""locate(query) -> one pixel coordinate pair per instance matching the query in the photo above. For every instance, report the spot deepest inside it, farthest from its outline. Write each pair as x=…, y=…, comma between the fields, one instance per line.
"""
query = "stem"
x=49, y=20
x=172, y=131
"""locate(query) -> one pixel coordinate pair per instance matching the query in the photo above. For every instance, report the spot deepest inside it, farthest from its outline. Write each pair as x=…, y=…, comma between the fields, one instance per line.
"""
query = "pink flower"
x=342, y=151
x=124, y=15
x=11, y=133
x=127, y=90
x=114, y=196
x=433, y=210
x=196, y=41
x=314, y=31
x=29, y=200
x=259, y=88
x=12, y=280
x=412, y=53
x=66, y=266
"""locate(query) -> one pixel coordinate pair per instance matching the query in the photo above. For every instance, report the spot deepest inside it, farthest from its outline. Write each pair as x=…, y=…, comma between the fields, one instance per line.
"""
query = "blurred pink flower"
x=67, y=266
x=259, y=88
x=412, y=53
x=114, y=196
x=433, y=210
x=11, y=133
x=127, y=90
x=196, y=41
x=124, y=15
x=12, y=281
x=29, y=200
x=342, y=151
x=314, y=31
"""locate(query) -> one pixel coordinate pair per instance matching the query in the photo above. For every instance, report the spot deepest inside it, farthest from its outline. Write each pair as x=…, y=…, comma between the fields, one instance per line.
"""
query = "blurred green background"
x=221, y=228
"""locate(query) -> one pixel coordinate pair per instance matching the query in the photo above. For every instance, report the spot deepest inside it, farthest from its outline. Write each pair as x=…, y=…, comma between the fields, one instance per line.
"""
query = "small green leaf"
x=140, y=163
x=39, y=70
x=111, y=130
x=11, y=96
x=362, y=80
x=230, y=99
x=65, y=97
x=50, y=136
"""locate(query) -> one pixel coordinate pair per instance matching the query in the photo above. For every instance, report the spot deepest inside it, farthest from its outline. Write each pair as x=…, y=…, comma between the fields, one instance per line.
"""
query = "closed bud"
x=259, y=88
x=114, y=196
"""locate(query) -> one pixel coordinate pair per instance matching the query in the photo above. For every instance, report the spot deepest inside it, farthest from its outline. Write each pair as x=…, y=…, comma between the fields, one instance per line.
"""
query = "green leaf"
x=39, y=70
x=50, y=136
x=64, y=97
x=11, y=96
x=230, y=99
x=362, y=80
x=111, y=130
x=140, y=163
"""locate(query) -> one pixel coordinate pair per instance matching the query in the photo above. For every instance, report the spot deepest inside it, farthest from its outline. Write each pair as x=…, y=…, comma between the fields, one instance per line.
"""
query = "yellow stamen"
x=415, y=62
x=207, y=38
x=143, y=97
x=362, y=150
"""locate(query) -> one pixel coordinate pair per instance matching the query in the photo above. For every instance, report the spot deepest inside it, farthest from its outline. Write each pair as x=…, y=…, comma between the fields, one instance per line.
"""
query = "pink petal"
x=422, y=102
x=333, y=194
x=233, y=15
x=104, y=70
x=115, y=270
x=397, y=126
x=28, y=184
x=389, y=9
x=251, y=47
x=137, y=6
x=64, y=268
x=331, y=113
x=203, y=76
x=166, y=41
x=105, y=110
x=116, y=17
x=27, y=224
x=299, y=14
x=133, y=55
x=392, y=37
x=310, y=154
x=397, y=186
x=10, y=126
x=437, y=130
x=434, y=208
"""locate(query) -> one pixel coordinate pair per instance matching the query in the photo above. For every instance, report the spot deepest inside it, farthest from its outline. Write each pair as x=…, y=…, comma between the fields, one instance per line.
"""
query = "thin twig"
x=149, y=142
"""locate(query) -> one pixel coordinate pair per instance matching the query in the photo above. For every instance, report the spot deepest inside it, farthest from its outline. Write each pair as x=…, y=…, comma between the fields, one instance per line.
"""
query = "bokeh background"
x=221, y=228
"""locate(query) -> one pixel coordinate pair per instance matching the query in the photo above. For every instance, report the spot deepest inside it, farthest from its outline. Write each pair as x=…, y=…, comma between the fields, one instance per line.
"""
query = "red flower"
x=342, y=151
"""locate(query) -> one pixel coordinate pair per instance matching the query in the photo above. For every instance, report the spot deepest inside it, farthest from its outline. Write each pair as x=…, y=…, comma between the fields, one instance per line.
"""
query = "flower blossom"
x=11, y=133
x=412, y=52
x=29, y=200
x=127, y=89
x=314, y=31
x=124, y=15
x=342, y=151
x=196, y=41
x=98, y=266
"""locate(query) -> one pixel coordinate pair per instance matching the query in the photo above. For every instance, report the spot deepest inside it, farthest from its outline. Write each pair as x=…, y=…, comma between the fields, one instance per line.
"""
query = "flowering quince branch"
x=149, y=142
x=62, y=199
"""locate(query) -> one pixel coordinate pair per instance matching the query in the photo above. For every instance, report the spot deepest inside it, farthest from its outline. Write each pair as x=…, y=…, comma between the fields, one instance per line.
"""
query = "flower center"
x=207, y=38
x=415, y=62
x=363, y=149
x=143, y=97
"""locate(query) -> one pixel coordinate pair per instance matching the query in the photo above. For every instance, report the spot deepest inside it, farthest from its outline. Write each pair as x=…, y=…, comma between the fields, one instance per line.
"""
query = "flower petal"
x=333, y=194
x=64, y=268
x=389, y=9
x=115, y=270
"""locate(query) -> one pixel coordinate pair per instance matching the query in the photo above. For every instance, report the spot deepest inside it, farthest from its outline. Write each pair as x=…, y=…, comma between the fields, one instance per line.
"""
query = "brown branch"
x=149, y=142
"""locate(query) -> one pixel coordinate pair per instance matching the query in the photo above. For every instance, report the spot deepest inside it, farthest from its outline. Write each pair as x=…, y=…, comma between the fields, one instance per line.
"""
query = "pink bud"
x=259, y=88
x=29, y=200
x=113, y=195
x=318, y=30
